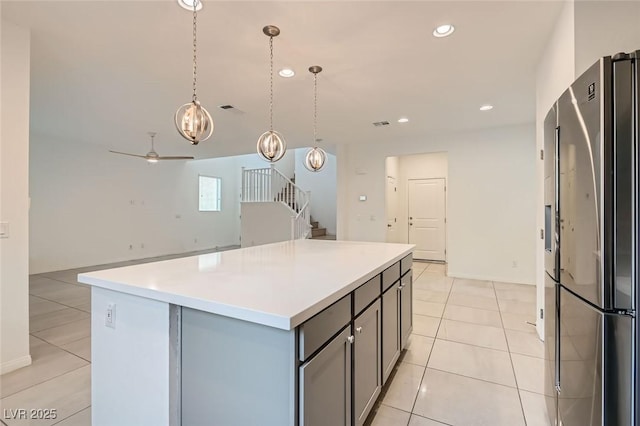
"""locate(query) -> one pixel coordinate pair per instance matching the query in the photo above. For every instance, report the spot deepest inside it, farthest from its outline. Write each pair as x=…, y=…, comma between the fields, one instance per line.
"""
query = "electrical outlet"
x=110, y=316
x=130, y=246
x=514, y=264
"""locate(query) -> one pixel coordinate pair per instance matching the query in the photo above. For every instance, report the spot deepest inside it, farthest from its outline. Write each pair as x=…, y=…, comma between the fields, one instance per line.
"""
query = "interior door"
x=392, y=210
x=427, y=218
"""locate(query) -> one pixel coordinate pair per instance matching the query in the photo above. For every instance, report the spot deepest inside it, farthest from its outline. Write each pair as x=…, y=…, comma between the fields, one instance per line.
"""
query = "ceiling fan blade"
x=175, y=158
x=126, y=153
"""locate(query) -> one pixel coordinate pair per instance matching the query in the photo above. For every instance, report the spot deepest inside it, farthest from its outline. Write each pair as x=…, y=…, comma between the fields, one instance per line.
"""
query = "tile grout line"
x=413, y=406
x=469, y=344
x=59, y=325
x=55, y=301
x=71, y=341
x=65, y=350
x=513, y=369
x=474, y=378
x=44, y=381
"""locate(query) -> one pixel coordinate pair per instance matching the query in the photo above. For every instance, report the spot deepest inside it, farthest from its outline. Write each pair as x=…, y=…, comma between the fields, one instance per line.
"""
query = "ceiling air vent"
x=232, y=109
x=381, y=123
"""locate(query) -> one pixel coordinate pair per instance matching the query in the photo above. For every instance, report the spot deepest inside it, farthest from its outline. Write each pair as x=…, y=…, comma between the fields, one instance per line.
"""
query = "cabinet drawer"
x=406, y=263
x=390, y=275
x=365, y=294
x=314, y=332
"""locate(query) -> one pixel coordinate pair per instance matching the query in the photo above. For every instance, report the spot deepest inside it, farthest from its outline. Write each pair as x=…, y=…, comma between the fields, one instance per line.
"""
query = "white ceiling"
x=106, y=72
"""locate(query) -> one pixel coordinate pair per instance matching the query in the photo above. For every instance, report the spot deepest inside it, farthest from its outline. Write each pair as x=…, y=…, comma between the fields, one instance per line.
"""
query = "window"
x=210, y=194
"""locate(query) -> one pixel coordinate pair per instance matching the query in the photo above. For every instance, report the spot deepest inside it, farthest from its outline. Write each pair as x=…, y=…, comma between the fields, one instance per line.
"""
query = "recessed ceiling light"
x=286, y=72
x=486, y=107
x=188, y=4
x=403, y=120
x=443, y=30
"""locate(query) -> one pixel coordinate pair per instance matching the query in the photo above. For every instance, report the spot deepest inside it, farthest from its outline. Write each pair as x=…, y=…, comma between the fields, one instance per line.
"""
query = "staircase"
x=269, y=186
x=318, y=233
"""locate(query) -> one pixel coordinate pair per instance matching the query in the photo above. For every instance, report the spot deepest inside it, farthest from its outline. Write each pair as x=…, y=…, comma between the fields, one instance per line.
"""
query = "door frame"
x=387, y=202
x=446, y=228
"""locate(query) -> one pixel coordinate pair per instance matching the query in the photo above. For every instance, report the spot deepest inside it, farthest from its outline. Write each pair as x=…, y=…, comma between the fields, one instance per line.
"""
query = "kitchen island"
x=300, y=332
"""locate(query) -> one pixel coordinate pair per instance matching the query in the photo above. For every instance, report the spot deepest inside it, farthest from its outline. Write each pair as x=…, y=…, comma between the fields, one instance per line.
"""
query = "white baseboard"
x=453, y=274
x=14, y=364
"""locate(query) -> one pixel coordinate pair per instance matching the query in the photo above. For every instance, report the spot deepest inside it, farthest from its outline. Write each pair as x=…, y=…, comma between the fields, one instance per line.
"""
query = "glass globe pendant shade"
x=194, y=123
x=271, y=146
x=315, y=159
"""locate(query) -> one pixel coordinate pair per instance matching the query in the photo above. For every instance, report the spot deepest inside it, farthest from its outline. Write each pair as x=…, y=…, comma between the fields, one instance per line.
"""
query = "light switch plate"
x=363, y=198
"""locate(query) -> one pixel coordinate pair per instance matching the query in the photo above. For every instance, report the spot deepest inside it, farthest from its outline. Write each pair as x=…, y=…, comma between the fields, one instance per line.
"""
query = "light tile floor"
x=60, y=337
x=473, y=358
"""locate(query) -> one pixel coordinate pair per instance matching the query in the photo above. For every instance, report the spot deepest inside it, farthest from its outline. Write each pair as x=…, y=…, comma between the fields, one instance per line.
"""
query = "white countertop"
x=279, y=285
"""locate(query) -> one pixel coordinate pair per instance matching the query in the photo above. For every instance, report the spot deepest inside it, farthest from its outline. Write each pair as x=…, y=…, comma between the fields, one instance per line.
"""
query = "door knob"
x=410, y=223
x=388, y=225
x=359, y=330
x=350, y=339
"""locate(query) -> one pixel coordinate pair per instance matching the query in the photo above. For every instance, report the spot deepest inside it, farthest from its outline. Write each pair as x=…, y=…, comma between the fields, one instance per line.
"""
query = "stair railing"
x=301, y=223
x=268, y=185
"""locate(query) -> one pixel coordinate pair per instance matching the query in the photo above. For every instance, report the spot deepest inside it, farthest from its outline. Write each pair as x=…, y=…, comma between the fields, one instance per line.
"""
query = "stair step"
x=317, y=232
x=325, y=237
x=314, y=224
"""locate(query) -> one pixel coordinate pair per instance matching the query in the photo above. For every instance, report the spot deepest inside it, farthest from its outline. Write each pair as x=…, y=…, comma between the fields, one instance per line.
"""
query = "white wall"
x=14, y=197
x=604, y=28
x=491, y=198
x=323, y=187
x=264, y=223
x=556, y=71
x=89, y=206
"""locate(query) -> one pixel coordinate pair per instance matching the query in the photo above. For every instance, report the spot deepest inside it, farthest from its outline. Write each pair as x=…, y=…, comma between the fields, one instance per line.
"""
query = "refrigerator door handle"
x=556, y=179
x=557, y=342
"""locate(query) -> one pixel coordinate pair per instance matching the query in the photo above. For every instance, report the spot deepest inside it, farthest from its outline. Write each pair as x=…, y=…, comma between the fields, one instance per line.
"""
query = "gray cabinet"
x=366, y=361
x=390, y=330
x=325, y=384
x=406, y=308
x=341, y=377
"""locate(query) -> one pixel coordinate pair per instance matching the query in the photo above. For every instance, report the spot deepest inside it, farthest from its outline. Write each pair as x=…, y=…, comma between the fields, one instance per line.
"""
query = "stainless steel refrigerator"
x=591, y=156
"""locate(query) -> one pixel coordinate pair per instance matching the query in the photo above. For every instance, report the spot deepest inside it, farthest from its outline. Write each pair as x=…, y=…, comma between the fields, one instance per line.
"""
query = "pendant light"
x=271, y=145
x=192, y=120
x=316, y=157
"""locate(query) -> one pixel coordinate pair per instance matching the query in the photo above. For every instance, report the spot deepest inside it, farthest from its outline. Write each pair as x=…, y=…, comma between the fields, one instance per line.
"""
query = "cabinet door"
x=325, y=384
x=367, y=365
x=390, y=330
x=406, y=308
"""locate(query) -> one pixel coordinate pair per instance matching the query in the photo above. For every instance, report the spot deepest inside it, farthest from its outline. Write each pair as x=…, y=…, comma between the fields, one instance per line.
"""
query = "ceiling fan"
x=152, y=156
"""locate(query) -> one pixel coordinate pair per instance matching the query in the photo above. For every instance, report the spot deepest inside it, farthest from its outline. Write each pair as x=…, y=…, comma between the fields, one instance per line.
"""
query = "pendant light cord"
x=271, y=83
x=194, y=98
x=315, y=108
